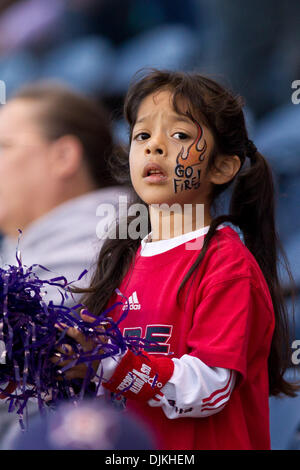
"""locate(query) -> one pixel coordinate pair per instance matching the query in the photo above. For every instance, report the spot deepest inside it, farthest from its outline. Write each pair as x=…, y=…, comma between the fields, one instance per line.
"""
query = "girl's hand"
x=78, y=371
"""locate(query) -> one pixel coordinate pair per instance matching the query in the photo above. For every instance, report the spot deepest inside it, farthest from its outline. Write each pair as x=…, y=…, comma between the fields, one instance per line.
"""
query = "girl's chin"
x=160, y=200
x=159, y=195
x=168, y=200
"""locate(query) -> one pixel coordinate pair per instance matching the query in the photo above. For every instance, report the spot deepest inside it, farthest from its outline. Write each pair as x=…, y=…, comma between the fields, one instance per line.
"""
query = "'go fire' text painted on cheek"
x=186, y=169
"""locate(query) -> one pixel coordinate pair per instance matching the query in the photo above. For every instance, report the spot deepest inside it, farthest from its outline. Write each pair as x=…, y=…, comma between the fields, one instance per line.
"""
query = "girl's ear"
x=225, y=168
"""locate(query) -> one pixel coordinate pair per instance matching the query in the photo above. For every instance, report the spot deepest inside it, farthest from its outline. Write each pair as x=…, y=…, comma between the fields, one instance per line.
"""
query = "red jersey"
x=224, y=317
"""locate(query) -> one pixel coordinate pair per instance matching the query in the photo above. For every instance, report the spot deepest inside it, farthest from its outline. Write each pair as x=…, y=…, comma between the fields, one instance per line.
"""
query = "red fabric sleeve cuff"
x=140, y=377
x=10, y=388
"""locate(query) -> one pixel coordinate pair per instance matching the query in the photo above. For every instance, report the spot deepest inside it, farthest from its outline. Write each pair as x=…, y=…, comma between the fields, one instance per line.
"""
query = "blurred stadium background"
x=96, y=46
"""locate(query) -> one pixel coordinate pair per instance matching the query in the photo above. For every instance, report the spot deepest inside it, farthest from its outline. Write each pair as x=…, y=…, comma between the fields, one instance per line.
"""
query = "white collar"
x=160, y=246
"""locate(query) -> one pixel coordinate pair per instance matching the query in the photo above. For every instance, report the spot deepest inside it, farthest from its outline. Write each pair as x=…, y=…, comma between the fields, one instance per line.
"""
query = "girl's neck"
x=169, y=222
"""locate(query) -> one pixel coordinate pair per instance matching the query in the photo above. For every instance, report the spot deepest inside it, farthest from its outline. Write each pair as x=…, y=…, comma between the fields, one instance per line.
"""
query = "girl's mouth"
x=153, y=173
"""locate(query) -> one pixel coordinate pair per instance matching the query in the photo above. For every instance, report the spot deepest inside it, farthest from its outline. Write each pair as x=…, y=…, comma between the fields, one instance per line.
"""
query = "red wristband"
x=140, y=377
x=10, y=388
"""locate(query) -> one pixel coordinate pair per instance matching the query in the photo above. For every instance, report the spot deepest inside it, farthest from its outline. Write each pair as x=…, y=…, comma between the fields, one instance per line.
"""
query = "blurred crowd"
x=93, y=48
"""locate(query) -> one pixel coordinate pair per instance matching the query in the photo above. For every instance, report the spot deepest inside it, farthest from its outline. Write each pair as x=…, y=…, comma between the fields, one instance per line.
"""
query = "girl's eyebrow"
x=173, y=117
x=180, y=118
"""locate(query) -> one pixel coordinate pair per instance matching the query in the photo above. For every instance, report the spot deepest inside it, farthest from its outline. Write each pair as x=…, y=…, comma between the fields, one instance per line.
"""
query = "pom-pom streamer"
x=29, y=338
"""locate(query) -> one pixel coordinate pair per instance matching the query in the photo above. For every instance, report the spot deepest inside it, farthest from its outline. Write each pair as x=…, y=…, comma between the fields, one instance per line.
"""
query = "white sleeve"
x=106, y=370
x=195, y=390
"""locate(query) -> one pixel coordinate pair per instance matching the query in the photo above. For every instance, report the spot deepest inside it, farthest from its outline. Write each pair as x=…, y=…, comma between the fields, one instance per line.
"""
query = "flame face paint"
x=187, y=164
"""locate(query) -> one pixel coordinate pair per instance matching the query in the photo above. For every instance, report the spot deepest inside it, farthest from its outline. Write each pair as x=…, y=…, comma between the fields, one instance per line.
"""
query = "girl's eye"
x=181, y=135
x=142, y=136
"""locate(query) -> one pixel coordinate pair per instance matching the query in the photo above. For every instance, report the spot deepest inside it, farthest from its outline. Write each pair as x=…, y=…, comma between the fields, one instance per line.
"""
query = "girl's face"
x=169, y=153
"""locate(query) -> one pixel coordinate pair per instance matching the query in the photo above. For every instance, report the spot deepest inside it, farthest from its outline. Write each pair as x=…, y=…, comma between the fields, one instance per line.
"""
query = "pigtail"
x=252, y=206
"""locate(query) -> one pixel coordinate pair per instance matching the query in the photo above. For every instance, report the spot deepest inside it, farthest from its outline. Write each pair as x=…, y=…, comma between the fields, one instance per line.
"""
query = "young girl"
x=210, y=303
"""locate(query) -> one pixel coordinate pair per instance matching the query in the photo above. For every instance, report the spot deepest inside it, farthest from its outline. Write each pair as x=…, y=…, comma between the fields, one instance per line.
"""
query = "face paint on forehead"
x=188, y=177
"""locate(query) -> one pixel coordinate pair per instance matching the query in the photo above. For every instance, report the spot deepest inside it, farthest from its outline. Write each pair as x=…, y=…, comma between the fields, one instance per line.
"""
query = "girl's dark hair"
x=251, y=206
x=61, y=111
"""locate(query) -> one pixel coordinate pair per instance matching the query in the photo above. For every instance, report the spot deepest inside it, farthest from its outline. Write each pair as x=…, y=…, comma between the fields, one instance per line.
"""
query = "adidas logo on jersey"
x=133, y=303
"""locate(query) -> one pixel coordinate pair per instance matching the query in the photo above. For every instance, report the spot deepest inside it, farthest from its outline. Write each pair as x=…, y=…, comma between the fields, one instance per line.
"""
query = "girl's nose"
x=156, y=148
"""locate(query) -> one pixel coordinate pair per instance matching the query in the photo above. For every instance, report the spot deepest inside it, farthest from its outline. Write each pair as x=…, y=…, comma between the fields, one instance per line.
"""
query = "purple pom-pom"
x=29, y=339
